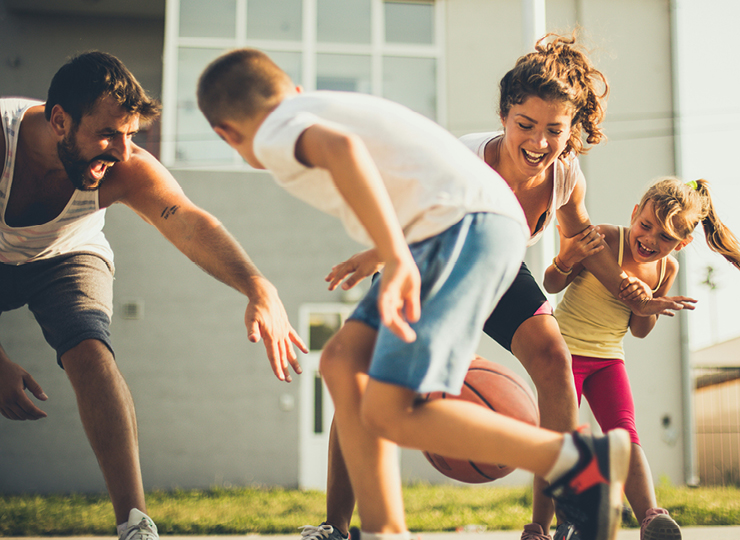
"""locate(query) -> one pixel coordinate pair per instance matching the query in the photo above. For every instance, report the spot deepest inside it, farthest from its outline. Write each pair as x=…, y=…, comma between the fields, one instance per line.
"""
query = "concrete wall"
x=207, y=403
x=629, y=41
x=33, y=45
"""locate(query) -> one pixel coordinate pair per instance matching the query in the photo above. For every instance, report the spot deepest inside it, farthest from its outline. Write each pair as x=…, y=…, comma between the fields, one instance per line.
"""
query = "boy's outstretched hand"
x=266, y=319
x=399, y=302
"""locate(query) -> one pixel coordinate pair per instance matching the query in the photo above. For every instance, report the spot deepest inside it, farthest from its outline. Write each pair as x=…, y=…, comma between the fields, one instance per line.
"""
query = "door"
x=318, y=322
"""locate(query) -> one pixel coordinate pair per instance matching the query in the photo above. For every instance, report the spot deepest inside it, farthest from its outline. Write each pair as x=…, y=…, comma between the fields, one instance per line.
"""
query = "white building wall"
x=208, y=405
x=629, y=41
x=709, y=75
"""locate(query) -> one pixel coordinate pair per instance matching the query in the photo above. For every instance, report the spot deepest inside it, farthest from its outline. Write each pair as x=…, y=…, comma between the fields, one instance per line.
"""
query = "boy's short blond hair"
x=239, y=84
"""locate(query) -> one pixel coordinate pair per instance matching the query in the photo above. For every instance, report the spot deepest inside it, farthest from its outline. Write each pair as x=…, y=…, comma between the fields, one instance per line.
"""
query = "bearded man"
x=65, y=162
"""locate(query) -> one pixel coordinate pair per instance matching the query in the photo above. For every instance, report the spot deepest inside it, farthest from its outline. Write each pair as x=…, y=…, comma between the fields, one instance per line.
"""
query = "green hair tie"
x=693, y=185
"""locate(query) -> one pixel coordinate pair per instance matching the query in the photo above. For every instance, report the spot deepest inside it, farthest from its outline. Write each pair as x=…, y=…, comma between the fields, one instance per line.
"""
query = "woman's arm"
x=567, y=264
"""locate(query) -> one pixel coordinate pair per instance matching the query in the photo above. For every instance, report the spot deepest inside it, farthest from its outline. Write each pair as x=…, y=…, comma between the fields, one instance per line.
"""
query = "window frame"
x=309, y=49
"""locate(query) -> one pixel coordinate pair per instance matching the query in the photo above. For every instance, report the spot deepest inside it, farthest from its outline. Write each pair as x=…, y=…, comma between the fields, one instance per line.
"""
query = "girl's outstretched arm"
x=641, y=326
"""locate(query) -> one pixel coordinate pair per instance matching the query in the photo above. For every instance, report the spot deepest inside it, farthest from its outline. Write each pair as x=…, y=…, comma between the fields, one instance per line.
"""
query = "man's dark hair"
x=81, y=82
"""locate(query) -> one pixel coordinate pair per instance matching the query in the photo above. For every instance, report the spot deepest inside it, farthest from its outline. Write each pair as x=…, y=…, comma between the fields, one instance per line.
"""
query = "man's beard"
x=77, y=167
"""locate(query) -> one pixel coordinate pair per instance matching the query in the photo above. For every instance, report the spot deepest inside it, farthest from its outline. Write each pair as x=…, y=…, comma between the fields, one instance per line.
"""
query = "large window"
x=389, y=48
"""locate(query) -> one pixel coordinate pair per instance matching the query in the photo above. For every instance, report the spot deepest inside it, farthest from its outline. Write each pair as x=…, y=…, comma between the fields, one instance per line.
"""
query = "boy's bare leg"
x=372, y=462
x=540, y=348
x=471, y=432
x=392, y=412
x=340, y=499
x=639, y=487
x=107, y=412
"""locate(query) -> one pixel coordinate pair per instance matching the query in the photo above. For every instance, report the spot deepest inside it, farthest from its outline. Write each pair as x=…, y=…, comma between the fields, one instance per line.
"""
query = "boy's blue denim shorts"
x=464, y=271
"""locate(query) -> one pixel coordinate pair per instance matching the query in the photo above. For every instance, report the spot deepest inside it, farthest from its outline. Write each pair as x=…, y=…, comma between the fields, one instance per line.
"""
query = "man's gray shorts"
x=71, y=297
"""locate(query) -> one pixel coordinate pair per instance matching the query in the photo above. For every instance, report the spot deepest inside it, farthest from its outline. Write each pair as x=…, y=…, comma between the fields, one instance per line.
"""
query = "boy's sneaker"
x=533, y=531
x=139, y=527
x=322, y=532
x=658, y=525
x=589, y=496
x=566, y=531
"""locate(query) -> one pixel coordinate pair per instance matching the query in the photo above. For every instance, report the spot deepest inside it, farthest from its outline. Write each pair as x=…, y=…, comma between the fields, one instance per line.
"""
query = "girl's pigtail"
x=719, y=238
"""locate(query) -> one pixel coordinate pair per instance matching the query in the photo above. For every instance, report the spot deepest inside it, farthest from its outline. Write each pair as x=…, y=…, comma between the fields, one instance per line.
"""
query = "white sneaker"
x=322, y=532
x=140, y=527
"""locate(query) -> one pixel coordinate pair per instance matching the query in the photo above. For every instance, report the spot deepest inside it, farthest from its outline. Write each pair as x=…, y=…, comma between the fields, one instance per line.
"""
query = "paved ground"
x=688, y=533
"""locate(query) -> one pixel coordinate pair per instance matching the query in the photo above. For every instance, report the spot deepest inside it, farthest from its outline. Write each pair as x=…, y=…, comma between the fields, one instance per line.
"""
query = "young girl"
x=593, y=322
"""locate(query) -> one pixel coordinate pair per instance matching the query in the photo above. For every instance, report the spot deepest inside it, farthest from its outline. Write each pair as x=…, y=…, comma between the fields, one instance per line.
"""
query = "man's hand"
x=14, y=402
x=399, y=302
x=266, y=319
x=355, y=269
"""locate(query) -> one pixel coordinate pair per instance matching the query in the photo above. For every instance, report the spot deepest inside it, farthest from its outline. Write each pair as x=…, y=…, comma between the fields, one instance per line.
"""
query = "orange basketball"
x=499, y=389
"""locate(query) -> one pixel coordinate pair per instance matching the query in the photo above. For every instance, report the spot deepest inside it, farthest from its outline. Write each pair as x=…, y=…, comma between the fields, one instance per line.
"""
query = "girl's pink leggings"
x=606, y=386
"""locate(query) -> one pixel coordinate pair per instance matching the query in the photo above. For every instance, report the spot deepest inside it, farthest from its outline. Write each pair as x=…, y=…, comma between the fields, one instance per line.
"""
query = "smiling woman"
x=549, y=101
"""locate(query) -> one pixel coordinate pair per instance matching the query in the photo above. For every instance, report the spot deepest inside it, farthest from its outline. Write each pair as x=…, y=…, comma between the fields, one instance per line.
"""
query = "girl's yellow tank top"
x=592, y=321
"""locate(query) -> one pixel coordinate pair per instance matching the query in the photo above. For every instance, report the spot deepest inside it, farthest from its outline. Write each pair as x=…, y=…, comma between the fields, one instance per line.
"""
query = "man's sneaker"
x=566, y=531
x=590, y=495
x=533, y=531
x=139, y=527
x=322, y=532
x=658, y=525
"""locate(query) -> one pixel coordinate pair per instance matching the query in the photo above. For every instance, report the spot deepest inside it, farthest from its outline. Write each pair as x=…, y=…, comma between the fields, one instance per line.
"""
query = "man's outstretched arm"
x=155, y=195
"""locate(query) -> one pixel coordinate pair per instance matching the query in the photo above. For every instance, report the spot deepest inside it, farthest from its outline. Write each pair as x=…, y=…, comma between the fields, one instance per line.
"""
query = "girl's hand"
x=666, y=305
x=633, y=289
x=573, y=250
x=355, y=269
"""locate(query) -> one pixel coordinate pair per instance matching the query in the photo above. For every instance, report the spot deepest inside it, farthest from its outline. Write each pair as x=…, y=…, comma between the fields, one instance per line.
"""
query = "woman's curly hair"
x=560, y=70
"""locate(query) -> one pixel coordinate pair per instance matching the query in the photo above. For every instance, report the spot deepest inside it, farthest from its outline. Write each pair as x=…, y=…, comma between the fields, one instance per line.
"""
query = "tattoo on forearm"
x=169, y=210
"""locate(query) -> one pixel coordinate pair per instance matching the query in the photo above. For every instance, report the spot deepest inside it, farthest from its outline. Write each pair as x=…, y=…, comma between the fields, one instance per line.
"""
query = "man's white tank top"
x=78, y=228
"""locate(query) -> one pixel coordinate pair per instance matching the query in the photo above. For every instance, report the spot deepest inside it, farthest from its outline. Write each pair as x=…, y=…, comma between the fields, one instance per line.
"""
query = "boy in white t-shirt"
x=452, y=236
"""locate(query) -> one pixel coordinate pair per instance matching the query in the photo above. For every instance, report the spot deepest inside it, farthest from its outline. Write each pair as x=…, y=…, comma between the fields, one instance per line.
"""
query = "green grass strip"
x=255, y=510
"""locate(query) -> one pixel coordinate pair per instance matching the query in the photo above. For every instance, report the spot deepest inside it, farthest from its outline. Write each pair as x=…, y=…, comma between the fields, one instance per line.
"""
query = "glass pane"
x=290, y=63
x=321, y=327
x=274, y=19
x=208, y=18
x=411, y=82
x=409, y=22
x=196, y=142
x=343, y=21
x=347, y=72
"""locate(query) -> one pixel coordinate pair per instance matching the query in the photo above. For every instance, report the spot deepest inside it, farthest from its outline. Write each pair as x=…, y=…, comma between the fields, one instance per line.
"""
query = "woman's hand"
x=355, y=269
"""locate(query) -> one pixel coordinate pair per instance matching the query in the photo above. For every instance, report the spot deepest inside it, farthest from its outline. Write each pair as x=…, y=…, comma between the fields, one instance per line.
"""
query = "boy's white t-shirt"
x=567, y=174
x=433, y=180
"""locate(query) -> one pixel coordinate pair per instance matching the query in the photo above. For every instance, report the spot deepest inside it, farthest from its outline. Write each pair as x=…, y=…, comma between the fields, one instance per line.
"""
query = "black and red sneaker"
x=589, y=496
